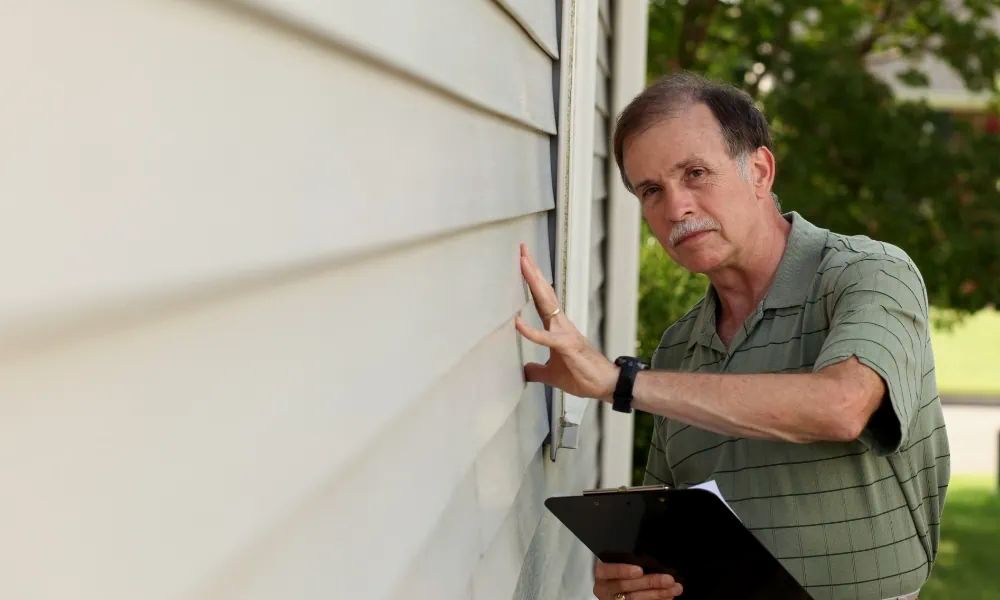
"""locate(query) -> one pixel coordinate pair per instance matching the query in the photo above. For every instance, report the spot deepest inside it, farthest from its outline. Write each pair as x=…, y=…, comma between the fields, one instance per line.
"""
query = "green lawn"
x=967, y=357
x=968, y=560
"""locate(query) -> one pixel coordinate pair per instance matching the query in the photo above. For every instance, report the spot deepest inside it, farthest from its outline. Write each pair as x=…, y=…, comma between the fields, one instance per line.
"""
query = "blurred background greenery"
x=966, y=565
x=866, y=145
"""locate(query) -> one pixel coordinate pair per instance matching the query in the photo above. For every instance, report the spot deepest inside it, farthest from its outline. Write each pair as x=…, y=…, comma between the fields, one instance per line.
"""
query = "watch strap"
x=630, y=367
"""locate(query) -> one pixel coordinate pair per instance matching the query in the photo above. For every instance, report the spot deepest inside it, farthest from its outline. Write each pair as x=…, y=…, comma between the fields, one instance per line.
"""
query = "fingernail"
x=636, y=571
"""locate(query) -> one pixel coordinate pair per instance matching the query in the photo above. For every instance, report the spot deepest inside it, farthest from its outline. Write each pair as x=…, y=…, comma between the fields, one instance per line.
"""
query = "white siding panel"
x=495, y=504
x=426, y=472
x=577, y=561
x=497, y=572
x=604, y=11
x=406, y=460
x=594, y=329
x=597, y=270
x=600, y=185
x=603, y=53
x=501, y=467
x=597, y=279
x=594, y=333
x=600, y=132
x=597, y=275
x=597, y=224
x=211, y=150
x=441, y=571
x=234, y=413
x=602, y=157
x=601, y=95
x=577, y=581
x=552, y=543
x=547, y=556
x=538, y=17
x=443, y=42
x=552, y=555
x=279, y=357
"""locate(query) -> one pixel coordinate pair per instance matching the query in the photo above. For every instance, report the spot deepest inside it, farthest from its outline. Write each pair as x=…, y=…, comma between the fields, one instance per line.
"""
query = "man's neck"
x=742, y=286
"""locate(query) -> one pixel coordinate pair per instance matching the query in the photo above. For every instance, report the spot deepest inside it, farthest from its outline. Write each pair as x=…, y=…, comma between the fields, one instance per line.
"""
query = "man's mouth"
x=691, y=236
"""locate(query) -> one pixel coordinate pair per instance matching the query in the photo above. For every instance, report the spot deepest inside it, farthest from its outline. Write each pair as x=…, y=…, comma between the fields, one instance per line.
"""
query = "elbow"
x=849, y=415
x=847, y=429
x=854, y=392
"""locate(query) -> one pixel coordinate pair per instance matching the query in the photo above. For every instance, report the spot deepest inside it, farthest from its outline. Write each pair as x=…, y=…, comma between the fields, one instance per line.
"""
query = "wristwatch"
x=630, y=366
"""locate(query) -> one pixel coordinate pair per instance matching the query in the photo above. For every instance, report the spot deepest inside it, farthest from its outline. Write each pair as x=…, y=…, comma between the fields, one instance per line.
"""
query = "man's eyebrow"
x=680, y=165
x=644, y=183
x=688, y=161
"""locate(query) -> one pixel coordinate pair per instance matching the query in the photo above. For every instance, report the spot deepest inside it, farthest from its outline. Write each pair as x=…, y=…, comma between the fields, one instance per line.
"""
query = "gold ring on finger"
x=549, y=316
x=621, y=596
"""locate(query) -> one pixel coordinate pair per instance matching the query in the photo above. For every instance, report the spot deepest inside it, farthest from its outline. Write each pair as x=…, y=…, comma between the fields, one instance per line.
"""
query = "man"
x=802, y=383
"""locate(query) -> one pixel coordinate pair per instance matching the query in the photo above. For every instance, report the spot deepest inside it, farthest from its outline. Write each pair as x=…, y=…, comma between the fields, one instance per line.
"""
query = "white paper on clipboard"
x=711, y=486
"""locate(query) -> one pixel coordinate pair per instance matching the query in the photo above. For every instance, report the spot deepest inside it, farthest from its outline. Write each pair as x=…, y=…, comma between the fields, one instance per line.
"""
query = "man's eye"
x=696, y=173
x=649, y=192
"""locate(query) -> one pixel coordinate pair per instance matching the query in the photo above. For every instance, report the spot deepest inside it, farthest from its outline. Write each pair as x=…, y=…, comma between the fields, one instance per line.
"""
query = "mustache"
x=691, y=226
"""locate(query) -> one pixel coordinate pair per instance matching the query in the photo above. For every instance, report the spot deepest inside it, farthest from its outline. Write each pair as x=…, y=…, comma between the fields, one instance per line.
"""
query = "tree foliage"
x=851, y=157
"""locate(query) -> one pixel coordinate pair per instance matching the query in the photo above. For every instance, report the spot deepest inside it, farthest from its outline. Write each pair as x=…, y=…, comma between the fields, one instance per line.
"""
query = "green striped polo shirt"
x=856, y=520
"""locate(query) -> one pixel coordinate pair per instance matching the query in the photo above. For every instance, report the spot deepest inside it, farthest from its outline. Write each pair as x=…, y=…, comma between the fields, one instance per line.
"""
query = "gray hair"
x=743, y=166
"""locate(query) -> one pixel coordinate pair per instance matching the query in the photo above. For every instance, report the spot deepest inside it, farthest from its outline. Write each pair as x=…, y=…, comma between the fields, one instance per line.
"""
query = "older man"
x=802, y=383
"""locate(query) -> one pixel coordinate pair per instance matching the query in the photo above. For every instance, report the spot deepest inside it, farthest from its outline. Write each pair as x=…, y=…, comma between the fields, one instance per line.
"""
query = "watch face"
x=621, y=361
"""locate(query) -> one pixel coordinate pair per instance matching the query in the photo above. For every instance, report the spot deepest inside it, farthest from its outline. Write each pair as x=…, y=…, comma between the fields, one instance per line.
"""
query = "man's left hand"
x=574, y=365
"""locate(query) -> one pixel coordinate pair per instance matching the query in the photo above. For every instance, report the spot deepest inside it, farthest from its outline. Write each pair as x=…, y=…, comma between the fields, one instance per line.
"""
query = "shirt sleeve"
x=657, y=469
x=879, y=315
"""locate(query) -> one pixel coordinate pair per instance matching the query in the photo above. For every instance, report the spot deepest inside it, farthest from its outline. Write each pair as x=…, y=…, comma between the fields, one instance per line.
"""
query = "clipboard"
x=689, y=533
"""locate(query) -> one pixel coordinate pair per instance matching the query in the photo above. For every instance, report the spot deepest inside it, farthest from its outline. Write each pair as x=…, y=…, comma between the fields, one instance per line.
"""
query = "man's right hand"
x=611, y=579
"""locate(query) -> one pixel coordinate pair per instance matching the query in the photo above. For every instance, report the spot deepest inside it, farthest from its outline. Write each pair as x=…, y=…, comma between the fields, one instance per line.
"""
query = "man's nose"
x=678, y=204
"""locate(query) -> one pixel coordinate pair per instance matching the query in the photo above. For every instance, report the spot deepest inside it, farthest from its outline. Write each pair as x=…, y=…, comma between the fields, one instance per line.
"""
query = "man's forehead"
x=693, y=130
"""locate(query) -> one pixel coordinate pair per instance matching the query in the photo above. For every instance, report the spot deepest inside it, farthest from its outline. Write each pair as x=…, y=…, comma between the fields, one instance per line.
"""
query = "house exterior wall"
x=256, y=335
x=602, y=142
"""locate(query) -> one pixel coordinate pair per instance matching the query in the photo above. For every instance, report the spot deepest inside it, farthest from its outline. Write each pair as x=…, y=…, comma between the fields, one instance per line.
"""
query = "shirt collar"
x=703, y=331
x=803, y=253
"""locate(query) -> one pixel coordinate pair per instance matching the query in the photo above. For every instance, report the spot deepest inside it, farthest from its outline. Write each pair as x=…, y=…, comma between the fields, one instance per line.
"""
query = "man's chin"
x=698, y=264
x=698, y=256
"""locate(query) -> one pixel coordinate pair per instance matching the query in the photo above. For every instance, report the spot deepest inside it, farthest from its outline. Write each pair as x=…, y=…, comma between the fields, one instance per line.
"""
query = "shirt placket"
x=744, y=334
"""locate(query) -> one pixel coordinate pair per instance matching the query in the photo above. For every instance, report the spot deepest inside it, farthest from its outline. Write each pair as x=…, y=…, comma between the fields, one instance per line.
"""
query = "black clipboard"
x=689, y=533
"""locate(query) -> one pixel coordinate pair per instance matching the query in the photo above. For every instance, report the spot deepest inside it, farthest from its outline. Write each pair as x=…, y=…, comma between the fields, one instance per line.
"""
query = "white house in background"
x=945, y=89
x=260, y=276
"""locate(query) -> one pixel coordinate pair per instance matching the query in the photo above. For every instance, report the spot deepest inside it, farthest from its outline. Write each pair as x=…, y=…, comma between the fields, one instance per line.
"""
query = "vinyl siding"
x=256, y=338
x=602, y=164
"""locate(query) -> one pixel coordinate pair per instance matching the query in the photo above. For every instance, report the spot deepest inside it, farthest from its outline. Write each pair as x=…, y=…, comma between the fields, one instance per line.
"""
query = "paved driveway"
x=972, y=435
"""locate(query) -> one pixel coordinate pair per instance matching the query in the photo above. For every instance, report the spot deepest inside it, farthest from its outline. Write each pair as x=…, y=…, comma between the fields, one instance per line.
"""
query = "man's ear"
x=762, y=169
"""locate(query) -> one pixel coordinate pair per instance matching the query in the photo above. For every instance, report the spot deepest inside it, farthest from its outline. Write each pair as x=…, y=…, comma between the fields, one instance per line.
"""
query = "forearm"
x=799, y=408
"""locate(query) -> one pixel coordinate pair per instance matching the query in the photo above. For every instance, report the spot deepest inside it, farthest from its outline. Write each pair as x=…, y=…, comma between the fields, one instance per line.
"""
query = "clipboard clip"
x=625, y=489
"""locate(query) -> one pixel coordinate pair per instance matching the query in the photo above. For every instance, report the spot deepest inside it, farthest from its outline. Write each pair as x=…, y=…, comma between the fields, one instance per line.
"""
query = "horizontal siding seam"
x=290, y=25
x=551, y=49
